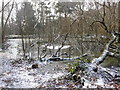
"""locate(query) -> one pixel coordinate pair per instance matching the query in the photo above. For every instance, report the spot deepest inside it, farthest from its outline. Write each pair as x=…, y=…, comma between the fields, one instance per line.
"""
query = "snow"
x=0, y=49
x=101, y=58
x=12, y=50
x=96, y=84
x=58, y=46
x=21, y=77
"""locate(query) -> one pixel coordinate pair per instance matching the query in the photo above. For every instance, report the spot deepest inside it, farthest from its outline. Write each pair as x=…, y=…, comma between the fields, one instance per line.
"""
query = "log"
x=55, y=59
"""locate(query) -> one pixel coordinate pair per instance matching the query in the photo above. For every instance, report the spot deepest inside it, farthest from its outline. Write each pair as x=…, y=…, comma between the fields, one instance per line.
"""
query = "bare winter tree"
x=94, y=67
x=4, y=23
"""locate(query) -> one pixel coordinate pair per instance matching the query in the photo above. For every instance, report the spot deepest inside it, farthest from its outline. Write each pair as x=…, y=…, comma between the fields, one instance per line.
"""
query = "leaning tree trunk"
x=94, y=69
x=105, y=53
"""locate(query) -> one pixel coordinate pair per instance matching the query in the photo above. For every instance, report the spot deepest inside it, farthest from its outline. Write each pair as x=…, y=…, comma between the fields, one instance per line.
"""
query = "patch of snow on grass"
x=58, y=46
x=12, y=50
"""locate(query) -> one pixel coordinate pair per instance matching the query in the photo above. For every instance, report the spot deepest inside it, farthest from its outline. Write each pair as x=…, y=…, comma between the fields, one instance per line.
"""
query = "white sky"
x=63, y=0
x=60, y=1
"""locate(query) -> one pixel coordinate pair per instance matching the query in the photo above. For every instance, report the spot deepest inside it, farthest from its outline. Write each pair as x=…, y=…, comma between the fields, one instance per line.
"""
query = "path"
x=21, y=75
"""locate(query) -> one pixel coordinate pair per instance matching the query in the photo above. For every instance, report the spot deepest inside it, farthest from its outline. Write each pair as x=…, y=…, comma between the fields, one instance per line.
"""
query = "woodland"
x=53, y=44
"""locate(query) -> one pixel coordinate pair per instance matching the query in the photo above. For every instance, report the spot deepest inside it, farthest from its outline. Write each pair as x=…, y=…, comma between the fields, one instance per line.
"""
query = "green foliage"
x=87, y=60
x=74, y=66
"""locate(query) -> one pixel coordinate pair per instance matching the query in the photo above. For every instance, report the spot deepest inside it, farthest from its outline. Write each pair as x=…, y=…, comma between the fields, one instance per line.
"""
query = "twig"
x=61, y=44
x=9, y=14
x=5, y=6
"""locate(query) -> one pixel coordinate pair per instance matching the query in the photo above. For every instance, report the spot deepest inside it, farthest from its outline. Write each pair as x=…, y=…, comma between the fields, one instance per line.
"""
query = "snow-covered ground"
x=22, y=76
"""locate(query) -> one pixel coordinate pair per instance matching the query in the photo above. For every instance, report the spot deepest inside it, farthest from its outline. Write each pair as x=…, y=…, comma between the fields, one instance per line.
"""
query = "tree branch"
x=5, y=6
x=9, y=14
x=61, y=44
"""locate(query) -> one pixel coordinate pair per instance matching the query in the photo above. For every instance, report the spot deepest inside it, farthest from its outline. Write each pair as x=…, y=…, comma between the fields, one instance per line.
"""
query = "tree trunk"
x=2, y=24
x=23, y=46
x=119, y=20
x=106, y=52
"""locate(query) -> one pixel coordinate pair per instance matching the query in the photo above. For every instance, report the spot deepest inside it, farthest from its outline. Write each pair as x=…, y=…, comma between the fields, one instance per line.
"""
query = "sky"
x=62, y=0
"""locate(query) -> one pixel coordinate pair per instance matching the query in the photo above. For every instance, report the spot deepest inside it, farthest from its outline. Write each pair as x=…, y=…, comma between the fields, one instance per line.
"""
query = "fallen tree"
x=95, y=70
x=106, y=52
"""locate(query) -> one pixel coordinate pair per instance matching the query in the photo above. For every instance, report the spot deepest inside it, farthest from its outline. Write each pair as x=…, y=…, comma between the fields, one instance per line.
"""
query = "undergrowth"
x=73, y=67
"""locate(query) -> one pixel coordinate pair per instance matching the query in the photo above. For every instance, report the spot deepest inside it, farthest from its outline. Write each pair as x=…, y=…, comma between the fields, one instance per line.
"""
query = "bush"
x=74, y=66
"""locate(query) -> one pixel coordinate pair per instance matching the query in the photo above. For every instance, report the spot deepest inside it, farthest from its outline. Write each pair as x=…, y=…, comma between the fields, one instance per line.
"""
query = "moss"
x=109, y=61
x=97, y=54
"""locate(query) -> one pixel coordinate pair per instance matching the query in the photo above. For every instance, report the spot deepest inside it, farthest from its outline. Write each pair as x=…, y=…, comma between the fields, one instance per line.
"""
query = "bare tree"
x=3, y=24
x=3, y=7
